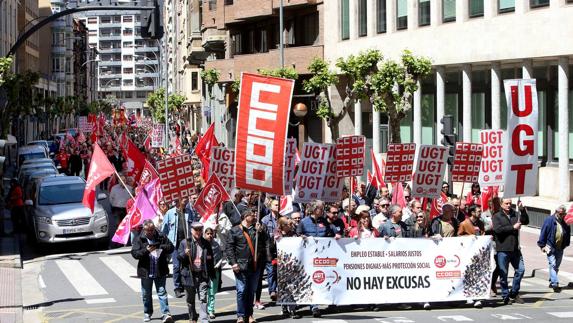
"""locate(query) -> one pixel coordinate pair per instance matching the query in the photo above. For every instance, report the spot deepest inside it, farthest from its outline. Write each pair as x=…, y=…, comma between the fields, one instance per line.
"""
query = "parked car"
x=29, y=178
x=38, y=160
x=56, y=213
x=42, y=143
x=31, y=152
x=30, y=168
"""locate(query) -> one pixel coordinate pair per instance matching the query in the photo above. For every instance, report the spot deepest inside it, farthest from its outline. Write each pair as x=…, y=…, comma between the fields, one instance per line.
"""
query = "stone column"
x=440, y=100
x=563, y=94
x=467, y=102
x=495, y=95
x=375, y=130
x=357, y=117
x=417, y=124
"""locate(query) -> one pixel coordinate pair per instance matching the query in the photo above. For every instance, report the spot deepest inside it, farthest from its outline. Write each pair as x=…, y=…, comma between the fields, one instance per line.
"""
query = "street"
x=66, y=285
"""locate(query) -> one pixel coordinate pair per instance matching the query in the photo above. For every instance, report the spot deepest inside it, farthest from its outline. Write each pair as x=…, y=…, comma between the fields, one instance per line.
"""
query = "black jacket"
x=208, y=270
x=505, y=236
x=233, y=213
x=139, y=252
x=238, y=251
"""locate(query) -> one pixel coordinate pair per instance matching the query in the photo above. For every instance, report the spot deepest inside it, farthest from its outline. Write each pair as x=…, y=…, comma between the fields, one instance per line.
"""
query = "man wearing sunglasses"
x=381, y=207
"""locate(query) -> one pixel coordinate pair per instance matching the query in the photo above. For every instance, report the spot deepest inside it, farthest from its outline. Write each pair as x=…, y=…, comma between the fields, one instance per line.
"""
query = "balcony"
x=298, y=57
x=110, y=63
x=112, y=75
x=139, y=87
x=146, y=49
x=146, y=61
x=110, y=37
x=110, y=50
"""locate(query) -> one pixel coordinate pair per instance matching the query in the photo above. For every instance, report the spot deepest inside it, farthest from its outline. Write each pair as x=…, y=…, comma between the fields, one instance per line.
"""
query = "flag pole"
x=122, y=183
x=462, y=192
x=257, y=231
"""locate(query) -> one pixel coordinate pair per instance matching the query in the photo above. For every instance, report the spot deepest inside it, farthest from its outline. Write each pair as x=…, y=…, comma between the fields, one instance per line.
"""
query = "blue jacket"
x=170, y=223
x=310, y=228
x=547, y=234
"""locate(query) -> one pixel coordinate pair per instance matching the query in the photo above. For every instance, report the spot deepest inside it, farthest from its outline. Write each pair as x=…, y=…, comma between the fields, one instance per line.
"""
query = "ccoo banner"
x=311, y=172
x=264, y=108
x=399, y=162
x=350, y=156
x=467, y=161
x=427, y=179
x=378, y=271
x=176, y=176
x=491, y=172
x=520, y=171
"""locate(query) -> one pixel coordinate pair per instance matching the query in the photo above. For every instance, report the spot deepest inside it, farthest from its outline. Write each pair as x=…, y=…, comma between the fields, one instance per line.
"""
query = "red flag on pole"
x=437, y=203
x=203, y=149
x=211, y=197
x=100, y=169
x=377, y=171
x=135, y=161
x=372, y=180
x=398, y=195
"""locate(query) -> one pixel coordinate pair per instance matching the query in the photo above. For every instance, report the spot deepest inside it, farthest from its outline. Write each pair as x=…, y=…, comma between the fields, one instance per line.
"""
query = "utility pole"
x=281, y=35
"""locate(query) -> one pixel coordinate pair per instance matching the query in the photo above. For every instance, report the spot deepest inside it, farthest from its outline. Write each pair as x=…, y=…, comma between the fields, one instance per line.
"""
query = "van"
x=31, y=152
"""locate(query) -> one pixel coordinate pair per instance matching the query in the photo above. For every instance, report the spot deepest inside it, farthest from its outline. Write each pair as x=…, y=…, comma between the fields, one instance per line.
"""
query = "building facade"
x=474, y=45
x=8, y=25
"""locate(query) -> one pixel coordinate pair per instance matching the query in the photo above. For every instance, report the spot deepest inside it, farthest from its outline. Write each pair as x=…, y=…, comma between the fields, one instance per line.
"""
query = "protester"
x=413, y=208
x=554, y=237
x=75, y=163
x=394, y=227
x=270, y=224
x=158, y=219
x=209, y=235
x=195, y=256
x=15, y=203
x=364, y=229
x=382, y=212
x=445, y=225
x=336, y=223
x=286, y=228
x=506, y=225
x=233, y=208
x=474, y=196
x=190, y=209
x=296, y=218
x=446, y=189
x=418, y=227
x=63, y=158
x=118, y=198
x=473, y=224
x=151, y=249
x=176, y=227
x=247, y=262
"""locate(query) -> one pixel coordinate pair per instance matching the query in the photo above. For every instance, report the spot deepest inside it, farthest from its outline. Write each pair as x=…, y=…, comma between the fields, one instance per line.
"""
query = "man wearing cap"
x=247, y=251
x=197, y=266
x=176, y=227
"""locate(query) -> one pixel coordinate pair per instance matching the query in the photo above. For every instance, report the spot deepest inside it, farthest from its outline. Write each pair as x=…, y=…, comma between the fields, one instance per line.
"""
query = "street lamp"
x=300, y=111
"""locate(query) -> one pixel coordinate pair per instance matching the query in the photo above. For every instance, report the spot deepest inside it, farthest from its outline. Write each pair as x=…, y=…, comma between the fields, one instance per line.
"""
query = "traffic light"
x=151, y=23
x=449, y=139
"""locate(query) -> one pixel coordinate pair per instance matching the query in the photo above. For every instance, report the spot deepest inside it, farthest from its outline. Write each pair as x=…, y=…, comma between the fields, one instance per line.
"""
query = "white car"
x=57, y=214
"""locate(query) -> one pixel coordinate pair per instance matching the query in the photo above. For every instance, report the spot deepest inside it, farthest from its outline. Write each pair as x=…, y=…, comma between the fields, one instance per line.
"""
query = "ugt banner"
x=222, y=164
x=378, y=271
x=158, y=135
x=427, y=180
x=520, y=172
x=350, y=156
x=264, y=109
x=290, y=164
x=467, y=161
x=399, y=163
x=491, y=172
x=311, y=172
x=333, y=185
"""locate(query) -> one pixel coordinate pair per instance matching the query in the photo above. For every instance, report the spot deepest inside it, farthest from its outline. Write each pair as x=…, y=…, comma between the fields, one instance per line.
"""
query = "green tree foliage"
x=210, y=76
x=319, y=84
x=19, y=97
x=156, y=103
x=285, y=72
x=5, y=64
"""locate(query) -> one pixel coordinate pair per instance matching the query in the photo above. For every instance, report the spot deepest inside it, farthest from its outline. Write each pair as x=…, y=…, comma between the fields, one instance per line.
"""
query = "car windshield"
x=61, y=194
x=24, y=157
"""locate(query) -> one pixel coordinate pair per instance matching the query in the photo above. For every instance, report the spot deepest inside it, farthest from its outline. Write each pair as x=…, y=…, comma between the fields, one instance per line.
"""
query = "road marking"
x=561, y=273
x=561, y=315
x=84, y=283
x=330, y=321
x=41, y=282
x=397, y=319
x=124, y=270
x=223, y=293
x=514, y=316
x=157, y=297
x=456, y=318
x=229, y=274
x=540, y=302
x=100, y=300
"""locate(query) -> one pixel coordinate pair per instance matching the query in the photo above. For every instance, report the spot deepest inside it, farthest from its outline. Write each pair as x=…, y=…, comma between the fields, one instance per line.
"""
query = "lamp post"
x=300, y=110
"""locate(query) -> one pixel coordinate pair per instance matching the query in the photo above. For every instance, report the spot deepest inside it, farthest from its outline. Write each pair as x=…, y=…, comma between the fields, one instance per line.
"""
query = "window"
x=212, y=5
x=128, y=58
x=141, y=94
x=476, y=8
x=506, y=6
x=344, y=19
x=128, y=94
x=127, y=44
x=380, y=16
x=128, y=32
x=128, y=70
x=424, y=12
x=127, y=82
x=538, y=3
x=92, y=20
x=448, y=10
x=228, y=2
x=194, y=81
x=362, y=18
x=127, y=18
x=401, y=14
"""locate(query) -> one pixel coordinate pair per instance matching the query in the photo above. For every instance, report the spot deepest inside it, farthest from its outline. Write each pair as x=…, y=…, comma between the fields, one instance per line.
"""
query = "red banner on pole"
x=467, y=162
x=264, y=109
x=350, y=156
x=399, y=163
x=212, y=195
x=176, y=176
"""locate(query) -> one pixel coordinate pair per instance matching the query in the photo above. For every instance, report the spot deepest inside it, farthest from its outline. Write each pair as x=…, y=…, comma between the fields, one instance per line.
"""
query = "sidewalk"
x=10, y=268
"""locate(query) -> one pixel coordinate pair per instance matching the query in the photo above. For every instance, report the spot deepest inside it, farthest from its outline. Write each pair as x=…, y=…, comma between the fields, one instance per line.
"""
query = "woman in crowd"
x=419, y=227
x=474, y=196
x=364, y=228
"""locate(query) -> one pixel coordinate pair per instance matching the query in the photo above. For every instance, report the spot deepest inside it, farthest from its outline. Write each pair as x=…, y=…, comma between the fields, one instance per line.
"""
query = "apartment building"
x=474, y=45
x=8, y=25
x=128, y=66
x=243, y=36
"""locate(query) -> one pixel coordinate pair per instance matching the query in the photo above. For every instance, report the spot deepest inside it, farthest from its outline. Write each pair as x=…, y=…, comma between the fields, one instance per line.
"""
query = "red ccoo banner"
x=467, y=162
x=264, y=108
x=350, y=156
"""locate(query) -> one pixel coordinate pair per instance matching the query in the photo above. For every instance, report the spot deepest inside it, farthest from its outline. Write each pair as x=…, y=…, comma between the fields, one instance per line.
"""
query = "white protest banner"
x=467, y=161
x=158, y=135
x=222, y=163
x=520, y=171
x=427, y=179
x=84, y=125
x=378, y=271
x=290, y=163
x=399, y=162
x=333, y=185
x=491, y=172
x=310, y=175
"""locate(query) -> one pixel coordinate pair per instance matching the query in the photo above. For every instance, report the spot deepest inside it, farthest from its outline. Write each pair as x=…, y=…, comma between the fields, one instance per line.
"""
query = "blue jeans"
x=246, y=286
x=271, y=277
x=146, y=285
x=176, y=271
x=514, y=258
x=554, y=259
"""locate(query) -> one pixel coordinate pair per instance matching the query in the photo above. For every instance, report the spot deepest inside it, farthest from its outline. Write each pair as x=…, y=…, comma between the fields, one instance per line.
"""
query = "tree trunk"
x=394, y=131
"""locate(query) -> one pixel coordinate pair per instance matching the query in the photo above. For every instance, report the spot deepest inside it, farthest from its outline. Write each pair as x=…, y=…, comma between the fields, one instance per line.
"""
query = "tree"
x=19, y=99
x=5, y=64
x=156, y=103
x=388, y=84
x=282, y=72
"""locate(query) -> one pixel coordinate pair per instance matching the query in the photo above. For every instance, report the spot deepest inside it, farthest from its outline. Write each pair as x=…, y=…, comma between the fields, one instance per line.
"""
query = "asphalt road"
x=70, y=284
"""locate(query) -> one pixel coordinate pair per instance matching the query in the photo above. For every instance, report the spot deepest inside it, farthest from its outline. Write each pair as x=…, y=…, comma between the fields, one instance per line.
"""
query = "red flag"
x=147, y=143
x=148, y=174
x=372, y=180
x=377, y=170
x=285, y=205
x=436, y=207
x=123, y=141
x=211, y=197
x=569, y=217
x=81, y=137
x=93, y=137
x=100, y=169
x=203, y=149
x=487, y=194
x=135, y=161
x=398, y=195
